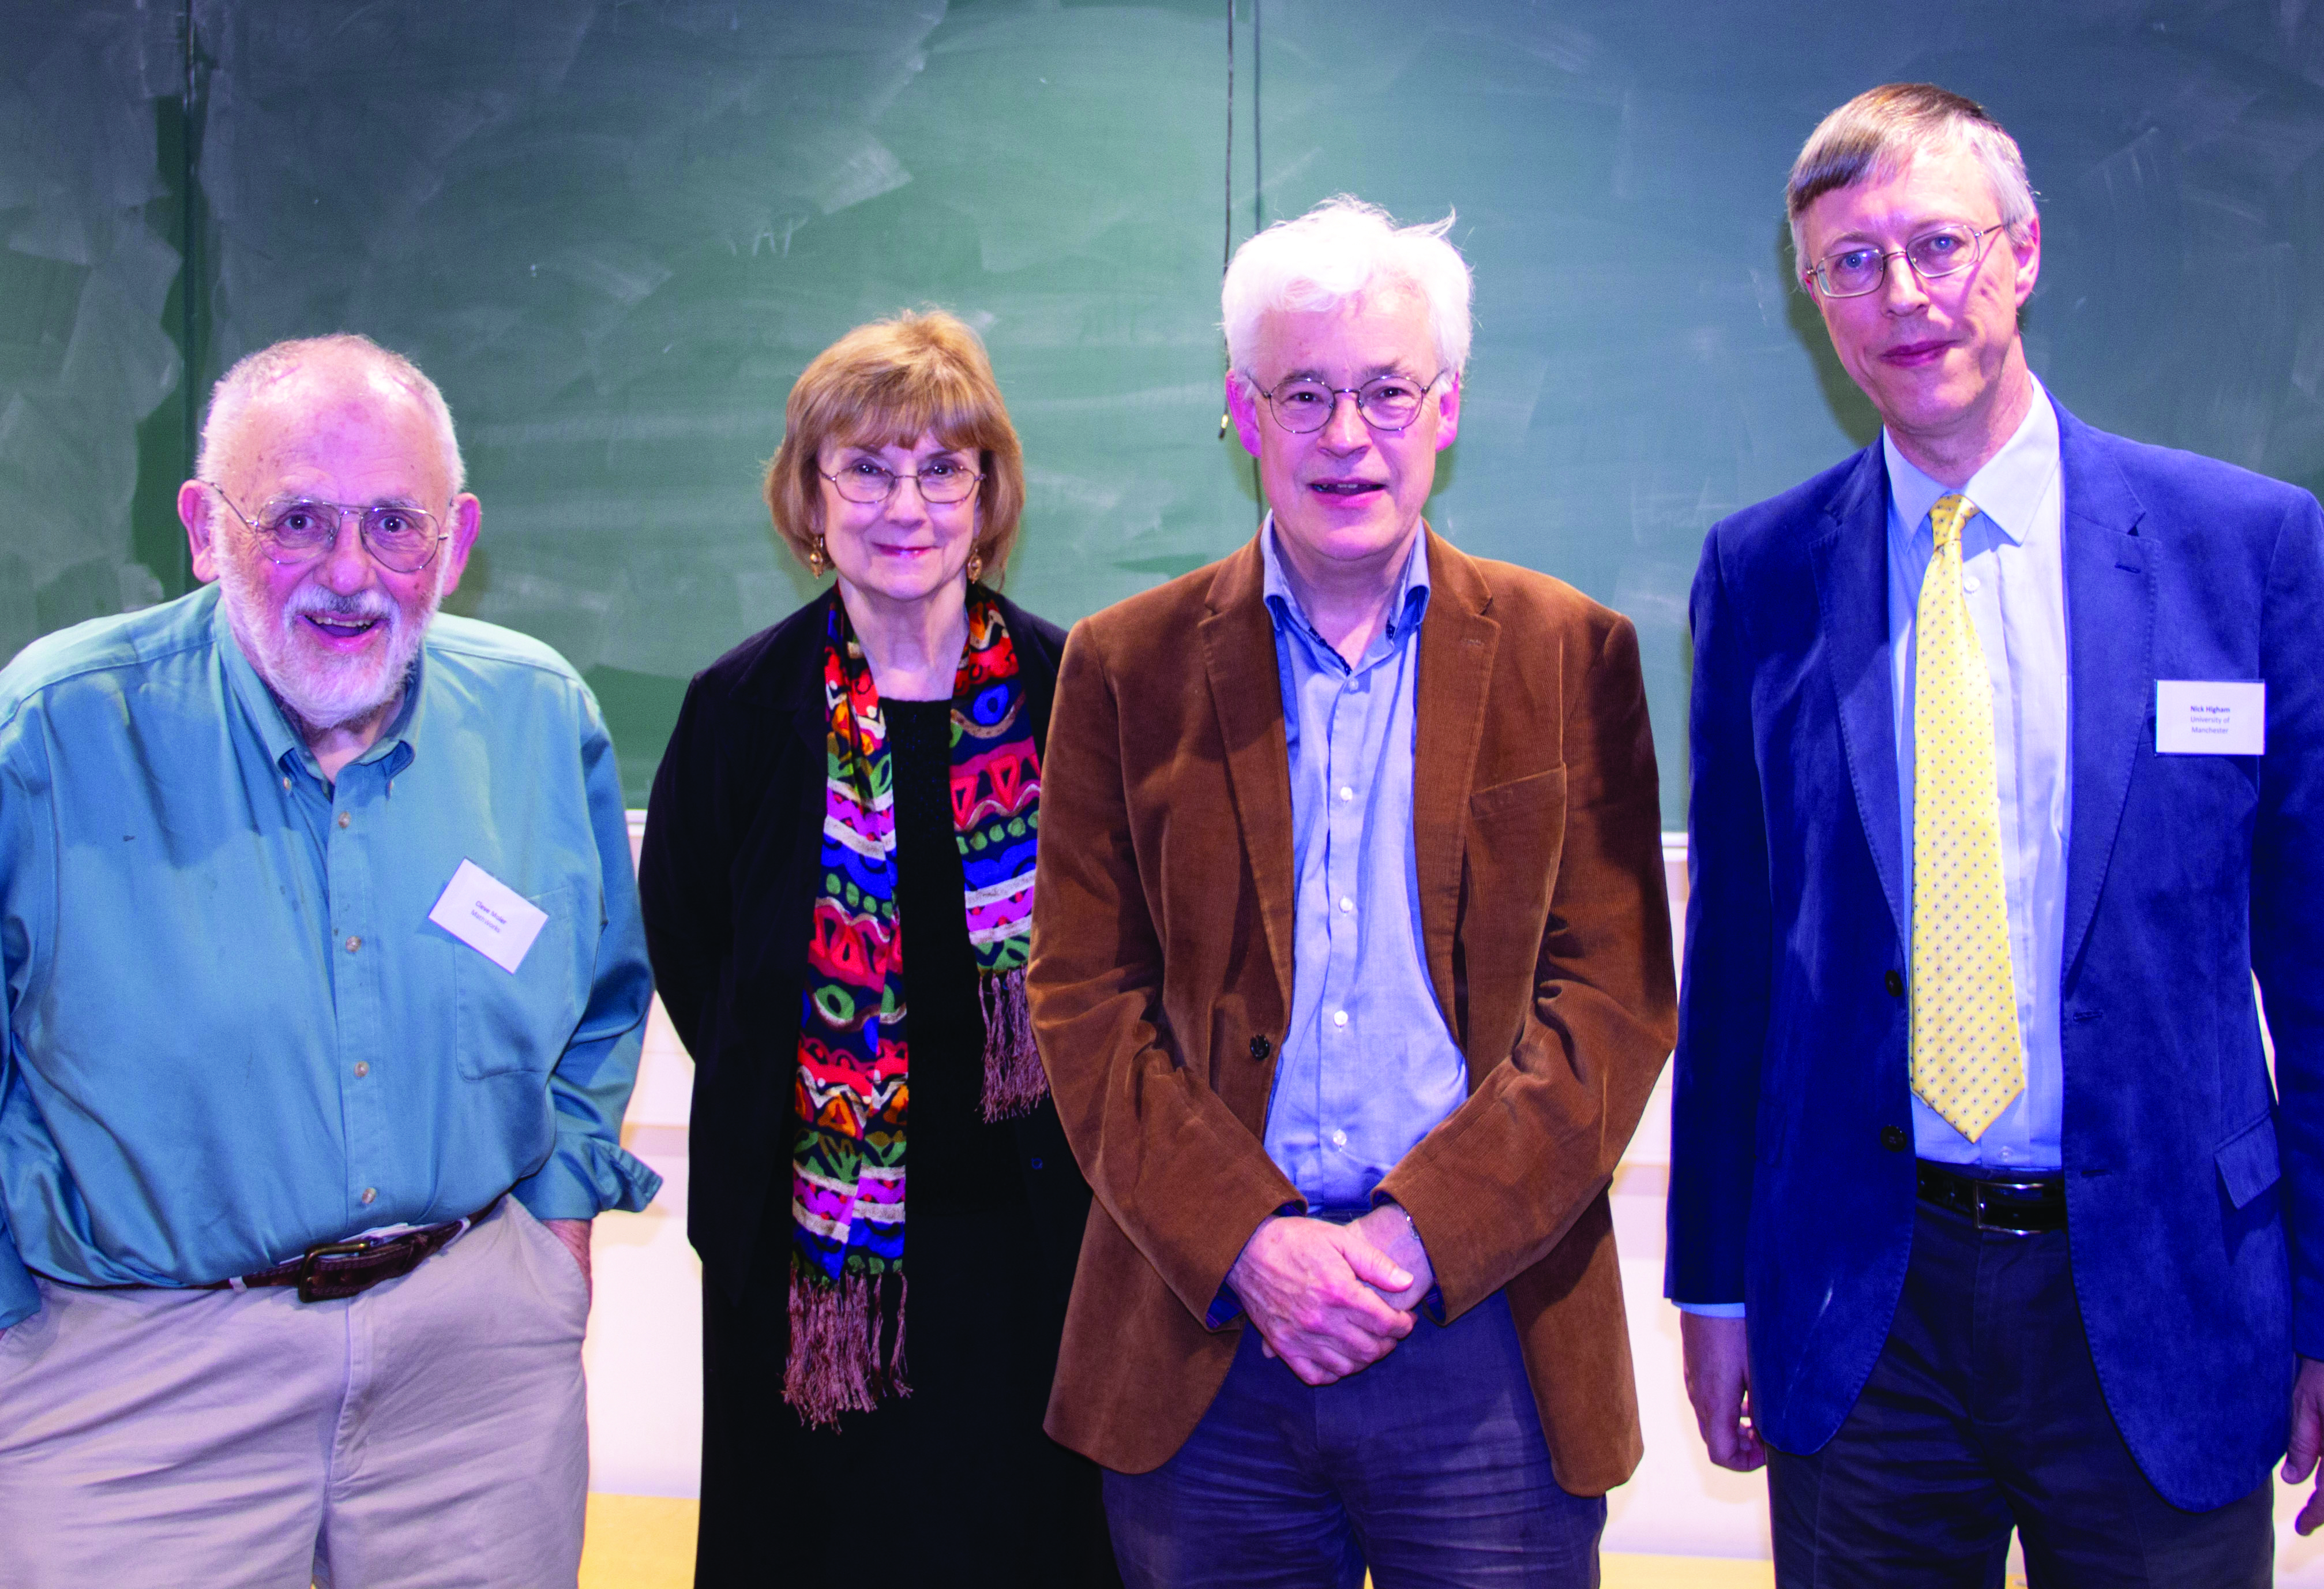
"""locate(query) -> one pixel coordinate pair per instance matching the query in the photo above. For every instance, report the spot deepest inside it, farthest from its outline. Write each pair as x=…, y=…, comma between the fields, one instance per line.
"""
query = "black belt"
x=2027, y=1206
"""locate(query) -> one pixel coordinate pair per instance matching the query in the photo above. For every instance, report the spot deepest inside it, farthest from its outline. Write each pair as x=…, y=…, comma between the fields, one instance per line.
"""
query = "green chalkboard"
x=616, y=230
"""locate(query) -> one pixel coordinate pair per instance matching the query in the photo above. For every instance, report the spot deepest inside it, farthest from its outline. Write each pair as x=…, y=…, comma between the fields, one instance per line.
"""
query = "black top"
x=954, y=1162
x=727, y=878
x=962, y=1486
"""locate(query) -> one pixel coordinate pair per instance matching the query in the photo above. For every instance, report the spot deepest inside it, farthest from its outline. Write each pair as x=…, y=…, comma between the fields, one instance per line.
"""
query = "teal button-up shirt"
x=232, y=1031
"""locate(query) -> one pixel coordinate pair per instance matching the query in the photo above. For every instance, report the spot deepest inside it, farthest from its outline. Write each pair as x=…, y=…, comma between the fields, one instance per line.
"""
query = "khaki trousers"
x=430, y=1432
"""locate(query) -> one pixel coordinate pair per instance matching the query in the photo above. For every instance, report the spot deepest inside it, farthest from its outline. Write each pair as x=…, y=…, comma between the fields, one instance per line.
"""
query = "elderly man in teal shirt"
x=324, y=984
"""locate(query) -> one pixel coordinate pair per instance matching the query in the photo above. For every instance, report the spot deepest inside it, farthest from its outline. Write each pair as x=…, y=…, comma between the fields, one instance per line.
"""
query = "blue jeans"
x=1429, y=1467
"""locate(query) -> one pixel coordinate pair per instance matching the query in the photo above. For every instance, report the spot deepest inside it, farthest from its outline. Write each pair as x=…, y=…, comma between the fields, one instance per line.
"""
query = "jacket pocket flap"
x=2247, y=1163
x=1532, y=795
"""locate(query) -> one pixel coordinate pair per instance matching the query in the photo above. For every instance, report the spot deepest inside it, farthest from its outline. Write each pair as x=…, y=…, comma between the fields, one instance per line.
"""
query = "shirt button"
x=286, y=784
x=1346, y=903
x=1339, y=1139
x=343, y=820
x=1968, y=582
x=1339, y=1017
x=1346, y=792
x=370, y=1195
x=354, y=944
x=362, y=1067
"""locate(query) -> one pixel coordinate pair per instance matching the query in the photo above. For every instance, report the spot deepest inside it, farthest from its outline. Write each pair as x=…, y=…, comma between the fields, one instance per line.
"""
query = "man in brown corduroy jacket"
x=1352, y=973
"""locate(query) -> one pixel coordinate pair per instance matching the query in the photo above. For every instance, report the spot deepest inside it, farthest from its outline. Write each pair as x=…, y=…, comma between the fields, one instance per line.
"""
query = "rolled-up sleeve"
x=589, y=1171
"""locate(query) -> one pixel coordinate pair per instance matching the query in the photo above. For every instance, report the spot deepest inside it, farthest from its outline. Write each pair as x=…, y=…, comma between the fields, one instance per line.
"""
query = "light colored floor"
x=639, y=1542
x=647, y=1542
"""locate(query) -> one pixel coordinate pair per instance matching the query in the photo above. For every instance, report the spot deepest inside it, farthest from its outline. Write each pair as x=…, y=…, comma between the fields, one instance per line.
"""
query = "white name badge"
x=2210, y=717
x=488, y=916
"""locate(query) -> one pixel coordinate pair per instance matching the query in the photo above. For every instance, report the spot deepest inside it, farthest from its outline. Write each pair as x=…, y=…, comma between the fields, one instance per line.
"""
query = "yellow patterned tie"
x=1967, y=1060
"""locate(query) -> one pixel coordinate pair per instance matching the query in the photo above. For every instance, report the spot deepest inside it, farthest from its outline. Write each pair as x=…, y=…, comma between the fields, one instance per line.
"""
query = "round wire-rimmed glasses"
x=298, y=530
x=1384, y=402
x=1939, y=252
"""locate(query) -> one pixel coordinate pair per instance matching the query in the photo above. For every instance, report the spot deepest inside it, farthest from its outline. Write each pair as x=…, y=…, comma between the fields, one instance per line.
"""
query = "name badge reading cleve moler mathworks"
x=2210, y=717
x=488, y=916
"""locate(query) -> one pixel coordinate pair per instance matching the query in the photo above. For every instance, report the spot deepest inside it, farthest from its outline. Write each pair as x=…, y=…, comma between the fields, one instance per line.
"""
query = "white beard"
x=321, y=689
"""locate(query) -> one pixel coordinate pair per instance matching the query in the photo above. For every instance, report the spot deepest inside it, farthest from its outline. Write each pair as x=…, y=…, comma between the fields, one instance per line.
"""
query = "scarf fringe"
x=834, y=1364
x=1014, y=1082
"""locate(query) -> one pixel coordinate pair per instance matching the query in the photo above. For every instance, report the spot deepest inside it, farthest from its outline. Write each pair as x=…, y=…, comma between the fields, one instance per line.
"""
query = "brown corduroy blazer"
x=1161, y=982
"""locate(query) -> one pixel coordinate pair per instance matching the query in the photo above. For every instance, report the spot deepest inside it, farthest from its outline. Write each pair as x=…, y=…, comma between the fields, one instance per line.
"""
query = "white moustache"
x=364, y=604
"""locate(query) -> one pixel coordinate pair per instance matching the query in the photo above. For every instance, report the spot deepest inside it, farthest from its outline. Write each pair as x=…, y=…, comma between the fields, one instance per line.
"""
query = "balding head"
x=341, y=364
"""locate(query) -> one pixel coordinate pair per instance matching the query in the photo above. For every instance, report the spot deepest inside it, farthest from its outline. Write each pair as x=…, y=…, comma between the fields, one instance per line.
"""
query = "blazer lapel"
x=2109, y=636
x=1237, y=640
x=1458, y=642
x=1851, y=572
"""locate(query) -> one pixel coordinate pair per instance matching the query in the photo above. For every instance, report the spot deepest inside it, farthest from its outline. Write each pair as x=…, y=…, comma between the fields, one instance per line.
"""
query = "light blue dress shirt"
x=232, y=1031
x=1369, y=1067
x=2013, y=577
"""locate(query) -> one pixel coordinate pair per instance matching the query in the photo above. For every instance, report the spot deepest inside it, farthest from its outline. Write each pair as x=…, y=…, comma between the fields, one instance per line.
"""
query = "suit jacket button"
x=1892, y=1137
x=1261, y=1047
x=1895, y=983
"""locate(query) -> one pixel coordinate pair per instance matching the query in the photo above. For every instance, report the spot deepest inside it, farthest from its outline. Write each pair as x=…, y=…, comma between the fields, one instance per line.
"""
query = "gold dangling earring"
x=818, y=556
x=976, y=566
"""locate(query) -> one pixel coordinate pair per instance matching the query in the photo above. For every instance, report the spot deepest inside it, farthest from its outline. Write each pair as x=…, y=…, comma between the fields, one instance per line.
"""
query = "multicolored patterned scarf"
x=847, y=1288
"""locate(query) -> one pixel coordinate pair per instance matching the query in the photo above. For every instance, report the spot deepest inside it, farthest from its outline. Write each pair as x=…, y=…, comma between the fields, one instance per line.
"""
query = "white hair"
x=255, y=372
x=1334, y=252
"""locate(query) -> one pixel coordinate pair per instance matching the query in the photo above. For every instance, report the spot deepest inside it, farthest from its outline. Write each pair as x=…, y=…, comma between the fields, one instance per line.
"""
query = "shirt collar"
x=2007, y=490
x=264, y=714
x=1405, y=613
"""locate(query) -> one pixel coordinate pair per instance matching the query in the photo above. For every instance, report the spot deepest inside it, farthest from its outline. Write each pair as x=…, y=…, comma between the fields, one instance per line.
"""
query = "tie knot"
x=1953, y=509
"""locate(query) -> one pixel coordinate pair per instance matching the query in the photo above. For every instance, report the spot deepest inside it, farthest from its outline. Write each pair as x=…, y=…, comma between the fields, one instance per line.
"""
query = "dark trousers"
x=1983, y=1413
x=1429, y=1466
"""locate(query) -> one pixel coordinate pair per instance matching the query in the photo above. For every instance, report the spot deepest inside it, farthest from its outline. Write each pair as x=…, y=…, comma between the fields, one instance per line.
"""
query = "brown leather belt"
x=329, y=1271
x=2026, y=1206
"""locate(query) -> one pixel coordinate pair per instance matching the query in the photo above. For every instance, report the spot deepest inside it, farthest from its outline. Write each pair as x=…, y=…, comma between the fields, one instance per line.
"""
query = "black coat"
x=734, y=837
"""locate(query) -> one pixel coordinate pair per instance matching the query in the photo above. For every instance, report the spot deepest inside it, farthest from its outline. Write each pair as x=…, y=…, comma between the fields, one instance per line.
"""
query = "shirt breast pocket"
x=519, y=1021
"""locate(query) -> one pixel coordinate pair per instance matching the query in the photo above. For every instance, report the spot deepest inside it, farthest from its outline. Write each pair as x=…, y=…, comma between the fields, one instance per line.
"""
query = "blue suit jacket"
x=1791, y=1170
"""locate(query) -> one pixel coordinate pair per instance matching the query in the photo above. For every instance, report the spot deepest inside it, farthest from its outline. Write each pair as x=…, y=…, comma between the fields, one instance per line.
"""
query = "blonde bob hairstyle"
x=888, y=384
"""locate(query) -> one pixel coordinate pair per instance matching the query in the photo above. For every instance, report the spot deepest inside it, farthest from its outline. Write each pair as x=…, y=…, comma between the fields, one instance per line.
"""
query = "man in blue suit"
x=2008, y=752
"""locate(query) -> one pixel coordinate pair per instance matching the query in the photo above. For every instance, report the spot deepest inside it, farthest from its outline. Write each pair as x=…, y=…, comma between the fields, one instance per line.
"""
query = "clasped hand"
x=1330, y=1300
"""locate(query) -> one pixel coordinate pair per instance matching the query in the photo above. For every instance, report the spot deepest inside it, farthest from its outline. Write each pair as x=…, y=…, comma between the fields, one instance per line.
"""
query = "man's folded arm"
x=588, y=1170
x=1497, y=1186
x=1723, y=1009
x=1185, y=1179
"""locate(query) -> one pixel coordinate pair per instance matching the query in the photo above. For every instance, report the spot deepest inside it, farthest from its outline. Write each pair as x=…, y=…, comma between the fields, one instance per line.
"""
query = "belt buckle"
x=1976, y=1205
x=310, y=1268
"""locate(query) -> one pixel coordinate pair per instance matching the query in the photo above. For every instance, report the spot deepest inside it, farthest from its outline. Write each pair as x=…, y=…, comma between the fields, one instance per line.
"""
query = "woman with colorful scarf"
x=838, y=887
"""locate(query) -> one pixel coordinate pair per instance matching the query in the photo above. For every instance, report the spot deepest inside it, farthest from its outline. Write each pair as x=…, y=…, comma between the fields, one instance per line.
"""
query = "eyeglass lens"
x=1386, y=403
x=941, y=480
x=1854, y=272
x=402, y=538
